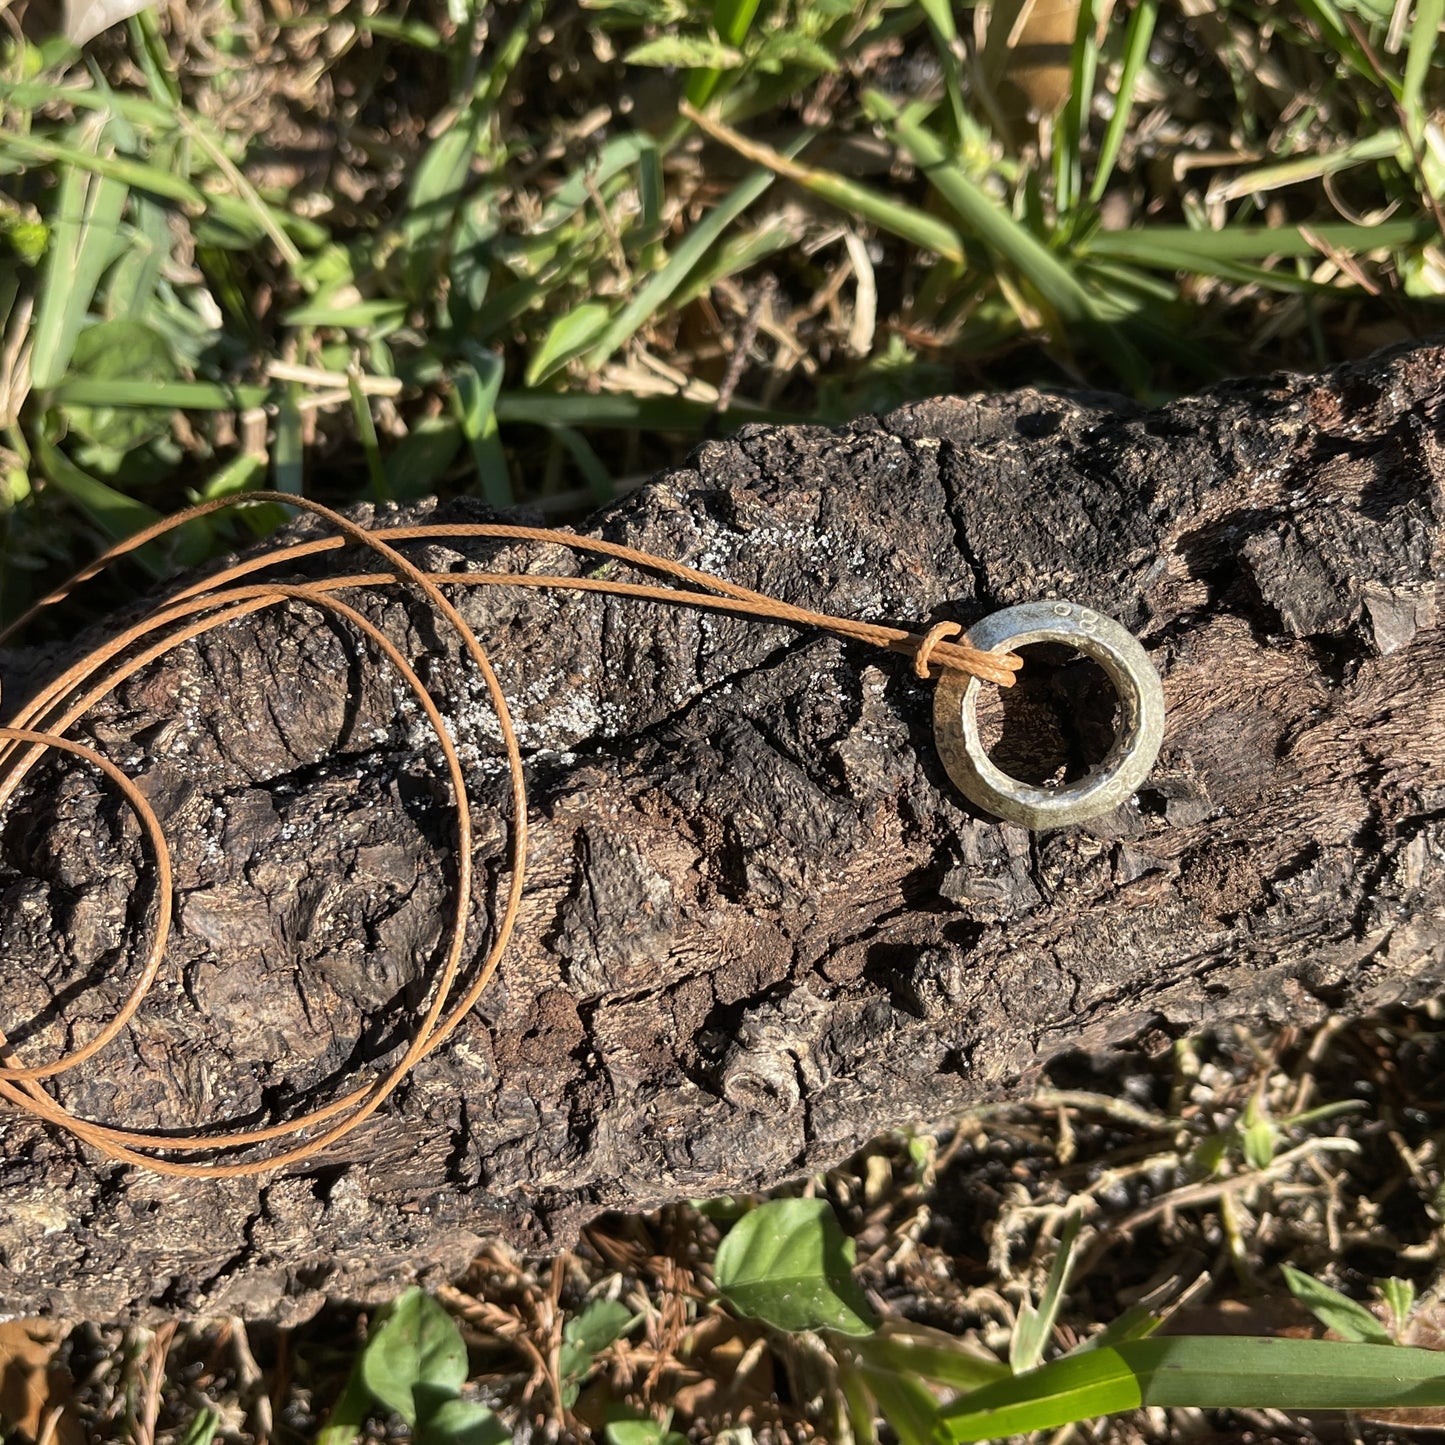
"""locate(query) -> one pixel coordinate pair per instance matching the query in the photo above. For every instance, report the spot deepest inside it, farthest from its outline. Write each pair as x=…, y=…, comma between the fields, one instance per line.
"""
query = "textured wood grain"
x=761, y=926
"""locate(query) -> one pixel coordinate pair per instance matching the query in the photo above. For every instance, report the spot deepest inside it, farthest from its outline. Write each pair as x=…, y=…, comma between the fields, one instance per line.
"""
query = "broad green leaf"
x=687, y=52
x=642, y=1432
x=568, y=336
x=462, y=1422
x=1201, y=1372
x=789, y=1263
x=416, y=1343
x=1336, y=1311
x=114, y=350
x=599, y=1324
x=348, y=1414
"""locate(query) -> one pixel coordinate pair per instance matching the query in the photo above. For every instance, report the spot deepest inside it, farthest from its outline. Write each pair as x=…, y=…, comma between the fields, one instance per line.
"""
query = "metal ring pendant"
x=1136, y=743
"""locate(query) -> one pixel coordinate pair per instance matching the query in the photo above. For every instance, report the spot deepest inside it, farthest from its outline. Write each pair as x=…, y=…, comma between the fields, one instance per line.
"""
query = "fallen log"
x=760, y=925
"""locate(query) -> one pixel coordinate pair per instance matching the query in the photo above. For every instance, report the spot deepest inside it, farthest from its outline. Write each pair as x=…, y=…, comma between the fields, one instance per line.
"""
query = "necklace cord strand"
x=202, y=607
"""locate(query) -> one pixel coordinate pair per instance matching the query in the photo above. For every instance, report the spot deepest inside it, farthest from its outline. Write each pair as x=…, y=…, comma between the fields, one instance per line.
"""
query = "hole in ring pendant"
x=1137, y=739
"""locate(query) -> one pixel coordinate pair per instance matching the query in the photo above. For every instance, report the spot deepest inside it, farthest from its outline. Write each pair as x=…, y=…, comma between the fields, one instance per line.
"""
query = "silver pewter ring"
x=1136, y=744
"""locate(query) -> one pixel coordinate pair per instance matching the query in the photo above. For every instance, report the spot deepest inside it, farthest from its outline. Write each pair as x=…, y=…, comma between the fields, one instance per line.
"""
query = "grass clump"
x=534, y=251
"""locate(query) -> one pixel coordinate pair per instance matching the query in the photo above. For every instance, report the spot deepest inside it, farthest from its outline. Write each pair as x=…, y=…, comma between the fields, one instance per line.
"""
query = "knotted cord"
x=38, y=728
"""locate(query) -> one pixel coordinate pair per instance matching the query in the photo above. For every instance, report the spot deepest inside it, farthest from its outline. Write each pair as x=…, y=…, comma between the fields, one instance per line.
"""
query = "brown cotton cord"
x=38, y=728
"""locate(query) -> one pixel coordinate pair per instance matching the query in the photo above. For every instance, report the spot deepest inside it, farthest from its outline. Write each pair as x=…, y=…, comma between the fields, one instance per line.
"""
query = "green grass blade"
x=1137, y=1323
x=857, y=1403
x=1137, y=38
x=114, y=513
x=135, y=277
x=984, y=217
x=1183, y=248
x=738, y=253
x=1077, y=1387
x=944, y=30
x=37, y=150
x=1201, y=1372
x=888, y=214
x=905, y=1404
x=507, y=54
x=149, y=47
x=598, y=478
x=1073, y=122
x=378, y=314
x=618, y=155
x=1312, y=165
x=183, y=395
x=568, y=336
x=32, y=95
x=436, y=192
x=476, y=384
x=920, y=1354
x=1424, y=38
x=655, y=292
x=85, y=239
x=288, y=455
x=1337, y=36
x=389, y=27
x=1034, y=1325
x=366, y=434
x=1221, y=1371
x=732, y=19
x=1338, y=1312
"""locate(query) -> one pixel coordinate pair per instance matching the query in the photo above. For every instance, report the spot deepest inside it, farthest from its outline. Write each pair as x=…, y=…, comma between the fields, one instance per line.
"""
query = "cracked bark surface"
x=760, y=926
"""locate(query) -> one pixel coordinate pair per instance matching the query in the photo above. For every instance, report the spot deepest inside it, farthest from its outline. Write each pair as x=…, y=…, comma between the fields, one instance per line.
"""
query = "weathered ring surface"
x=1136, y=743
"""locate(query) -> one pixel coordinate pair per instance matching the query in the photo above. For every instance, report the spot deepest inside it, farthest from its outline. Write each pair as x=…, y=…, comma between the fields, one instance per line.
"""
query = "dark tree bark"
x=760, y=925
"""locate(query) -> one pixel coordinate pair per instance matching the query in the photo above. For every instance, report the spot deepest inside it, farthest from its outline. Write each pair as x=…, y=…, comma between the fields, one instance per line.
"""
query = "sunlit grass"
x=550, y=242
